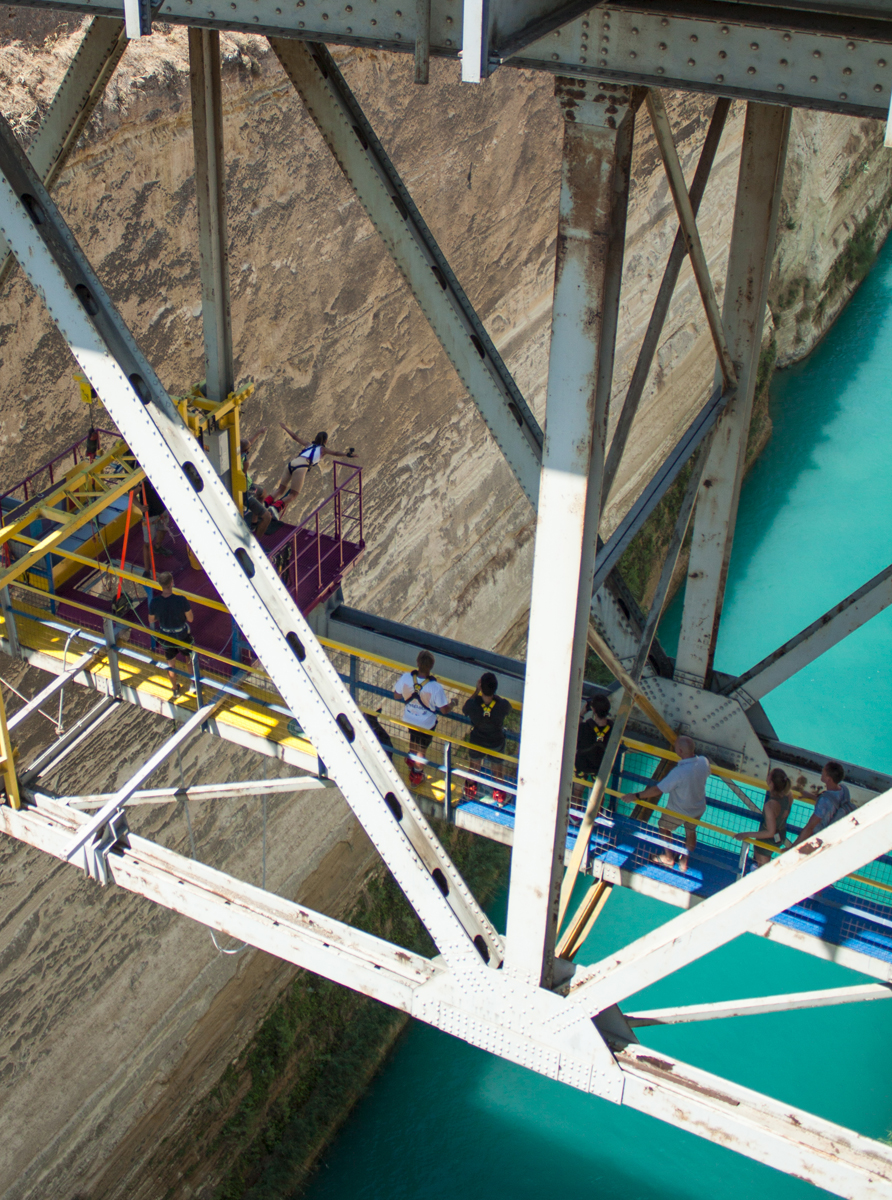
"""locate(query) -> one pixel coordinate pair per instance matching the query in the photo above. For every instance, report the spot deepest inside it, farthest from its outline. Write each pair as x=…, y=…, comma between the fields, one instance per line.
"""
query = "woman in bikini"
x=296, y=468
x=775, y=811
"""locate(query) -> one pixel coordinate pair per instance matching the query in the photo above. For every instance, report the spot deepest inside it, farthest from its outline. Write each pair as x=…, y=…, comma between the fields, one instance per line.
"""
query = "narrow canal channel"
x=444, y=1121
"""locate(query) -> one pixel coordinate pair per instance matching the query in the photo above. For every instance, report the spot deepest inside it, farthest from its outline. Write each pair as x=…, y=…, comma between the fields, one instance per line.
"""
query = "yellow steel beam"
x=51, y=542
x=62, y=491
x=7, y=761
x=616, y=668
x=584, y=919
x=118, y=573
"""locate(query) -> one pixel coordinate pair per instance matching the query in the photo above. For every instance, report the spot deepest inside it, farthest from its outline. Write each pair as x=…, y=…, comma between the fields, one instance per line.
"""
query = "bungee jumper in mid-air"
x=296, y=468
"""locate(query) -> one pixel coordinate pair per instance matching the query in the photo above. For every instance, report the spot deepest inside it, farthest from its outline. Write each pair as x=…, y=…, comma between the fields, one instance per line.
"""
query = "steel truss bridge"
x=520, y=995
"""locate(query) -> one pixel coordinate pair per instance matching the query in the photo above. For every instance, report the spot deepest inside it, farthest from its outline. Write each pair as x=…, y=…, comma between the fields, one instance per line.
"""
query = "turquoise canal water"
x=444, y=1121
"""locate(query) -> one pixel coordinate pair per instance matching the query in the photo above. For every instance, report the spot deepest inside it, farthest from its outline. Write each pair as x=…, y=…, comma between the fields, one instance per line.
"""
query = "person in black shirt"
x=591, y=740
x=487, y=712
x=172, y=615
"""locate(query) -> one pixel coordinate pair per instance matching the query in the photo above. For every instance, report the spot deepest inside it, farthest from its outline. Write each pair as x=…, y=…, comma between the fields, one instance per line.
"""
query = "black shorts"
x=418, y=737
x=170, y=650
x=478, y=755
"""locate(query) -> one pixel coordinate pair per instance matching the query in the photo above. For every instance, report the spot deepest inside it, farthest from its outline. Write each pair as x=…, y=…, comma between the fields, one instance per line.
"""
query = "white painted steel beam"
x=598, y=129
x=289, y=931
x=843, y=847
x=237, y=566
x=83, y=664
x=786, y=1138
x=837, y=623
x=206, y=791
x=759, y=187
x=82, y=86
x=461, y=333
x=210, y=194
x=758, y=1005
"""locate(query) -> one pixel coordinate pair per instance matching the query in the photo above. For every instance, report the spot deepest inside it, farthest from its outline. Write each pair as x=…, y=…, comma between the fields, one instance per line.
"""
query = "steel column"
x=598, y=129
x=82, y=86
x=9, y=629
x=422, y=40
x=114, y=668
x=837, y=623
x=210, y=193
x=749, y=269
x=580, y=846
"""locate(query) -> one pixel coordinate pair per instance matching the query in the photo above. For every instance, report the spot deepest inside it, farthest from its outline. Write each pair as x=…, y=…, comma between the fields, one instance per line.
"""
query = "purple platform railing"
x=311, y=557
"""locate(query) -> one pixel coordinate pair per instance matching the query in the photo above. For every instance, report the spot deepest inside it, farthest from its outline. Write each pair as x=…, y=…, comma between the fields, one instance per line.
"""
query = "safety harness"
x=307, y=454
x=416, y=692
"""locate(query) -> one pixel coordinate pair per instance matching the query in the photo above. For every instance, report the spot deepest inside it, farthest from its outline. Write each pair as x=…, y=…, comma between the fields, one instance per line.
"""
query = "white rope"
x=213, y=932
x=15, y=692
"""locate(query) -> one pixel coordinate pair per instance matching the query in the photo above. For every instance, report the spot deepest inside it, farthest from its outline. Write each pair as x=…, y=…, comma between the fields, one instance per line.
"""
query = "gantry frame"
x=535, y=1011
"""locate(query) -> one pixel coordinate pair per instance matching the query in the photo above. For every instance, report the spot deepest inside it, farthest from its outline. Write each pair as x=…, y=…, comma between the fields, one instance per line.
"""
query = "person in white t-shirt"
x=423, y=699
x=685, y=787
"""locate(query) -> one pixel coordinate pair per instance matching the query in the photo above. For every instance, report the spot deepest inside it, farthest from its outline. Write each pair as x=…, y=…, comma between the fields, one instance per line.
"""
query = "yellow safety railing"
x=254, y=676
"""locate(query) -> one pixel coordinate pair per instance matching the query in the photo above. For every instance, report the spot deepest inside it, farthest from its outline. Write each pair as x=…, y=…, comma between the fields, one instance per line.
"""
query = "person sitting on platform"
x=423, y=699
x=591, y=740
x=831, y=803
x=257, y=515
x=173, y=616
x=487, y=712
x=296, y=469
x=685, y=786
x=775, y=811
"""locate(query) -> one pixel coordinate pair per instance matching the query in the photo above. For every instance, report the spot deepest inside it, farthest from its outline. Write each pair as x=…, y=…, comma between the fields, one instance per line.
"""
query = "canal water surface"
x=444, y=1121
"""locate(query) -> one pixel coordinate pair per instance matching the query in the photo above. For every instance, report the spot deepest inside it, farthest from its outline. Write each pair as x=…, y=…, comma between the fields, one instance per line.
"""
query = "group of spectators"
x=684, y=786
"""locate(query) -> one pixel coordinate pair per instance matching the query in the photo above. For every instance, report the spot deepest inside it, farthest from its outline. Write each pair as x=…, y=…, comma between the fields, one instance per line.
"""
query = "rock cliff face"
x=109, y=995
